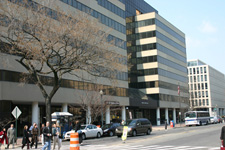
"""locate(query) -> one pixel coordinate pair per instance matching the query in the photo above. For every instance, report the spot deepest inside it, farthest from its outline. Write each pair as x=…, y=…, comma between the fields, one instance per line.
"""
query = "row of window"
x=199, y=94
x=202, y=102
x=54, y=14
x=122, y=1
x=172, y=75
x=170, y=31
x=197, y=70
x=197, y=78
x=138, y=36
x=139, y=48
x=199, y=86
x=160, y=84
x=172, y=64
x=12, y=76
x=172, y=98
x=139, y=23
x=113, y=8
x=170, y=42
x=103, y=19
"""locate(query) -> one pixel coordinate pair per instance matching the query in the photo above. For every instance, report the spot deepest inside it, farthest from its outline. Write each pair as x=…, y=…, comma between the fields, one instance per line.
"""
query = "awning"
x=58, y=114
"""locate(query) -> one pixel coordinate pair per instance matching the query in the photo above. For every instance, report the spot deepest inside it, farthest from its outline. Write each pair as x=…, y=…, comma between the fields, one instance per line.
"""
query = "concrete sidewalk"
x=162, y=127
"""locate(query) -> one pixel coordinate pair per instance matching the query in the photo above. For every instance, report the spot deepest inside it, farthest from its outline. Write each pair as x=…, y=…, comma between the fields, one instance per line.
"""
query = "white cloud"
x=207, y=27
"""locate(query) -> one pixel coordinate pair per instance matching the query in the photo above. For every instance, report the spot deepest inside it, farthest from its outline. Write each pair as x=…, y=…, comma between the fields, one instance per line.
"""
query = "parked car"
x=109, y=129
x=88, y=131
x=220, y=120
x=213, y=120
x=136, y=126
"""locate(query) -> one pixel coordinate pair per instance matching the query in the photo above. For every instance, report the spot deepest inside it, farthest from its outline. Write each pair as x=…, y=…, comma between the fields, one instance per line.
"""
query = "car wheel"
x=98, y=135
x=148, y=132
x=134, y=133
x=110, y=133
x=83, y=136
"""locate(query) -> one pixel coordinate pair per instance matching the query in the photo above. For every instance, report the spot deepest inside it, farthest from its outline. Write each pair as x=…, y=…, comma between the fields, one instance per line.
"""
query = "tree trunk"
x=48, y=112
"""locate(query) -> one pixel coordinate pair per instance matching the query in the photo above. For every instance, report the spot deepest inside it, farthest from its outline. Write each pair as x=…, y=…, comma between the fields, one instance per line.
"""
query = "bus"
x=197, y=118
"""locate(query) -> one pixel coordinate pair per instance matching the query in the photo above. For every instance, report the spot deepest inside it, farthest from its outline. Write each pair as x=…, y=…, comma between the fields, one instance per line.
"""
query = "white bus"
x=197, y=118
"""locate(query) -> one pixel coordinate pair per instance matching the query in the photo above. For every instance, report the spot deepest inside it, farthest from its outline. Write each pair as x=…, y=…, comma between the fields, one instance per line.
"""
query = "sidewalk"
x=162, y=127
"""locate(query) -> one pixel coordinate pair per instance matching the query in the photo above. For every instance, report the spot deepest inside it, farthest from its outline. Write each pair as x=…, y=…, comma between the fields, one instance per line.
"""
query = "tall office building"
x=157, y=53
x=206, y=88
x=111, y=15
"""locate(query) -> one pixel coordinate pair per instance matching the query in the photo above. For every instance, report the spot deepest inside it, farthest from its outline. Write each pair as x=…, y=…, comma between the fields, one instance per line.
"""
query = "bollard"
x=74, y=141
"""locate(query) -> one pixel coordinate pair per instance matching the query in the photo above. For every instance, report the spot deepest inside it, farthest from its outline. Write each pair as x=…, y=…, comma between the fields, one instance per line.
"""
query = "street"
x=184, y=138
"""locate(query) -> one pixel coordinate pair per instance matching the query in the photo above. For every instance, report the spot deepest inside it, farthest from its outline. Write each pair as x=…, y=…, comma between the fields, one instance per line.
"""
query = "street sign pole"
x=16, y=126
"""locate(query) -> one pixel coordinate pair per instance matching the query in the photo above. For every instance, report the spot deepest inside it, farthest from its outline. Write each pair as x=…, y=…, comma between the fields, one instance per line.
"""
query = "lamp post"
x=101, y=93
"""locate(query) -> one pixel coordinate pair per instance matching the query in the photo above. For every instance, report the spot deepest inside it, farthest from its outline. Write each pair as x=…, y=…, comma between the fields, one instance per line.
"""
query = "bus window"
x=190, y=115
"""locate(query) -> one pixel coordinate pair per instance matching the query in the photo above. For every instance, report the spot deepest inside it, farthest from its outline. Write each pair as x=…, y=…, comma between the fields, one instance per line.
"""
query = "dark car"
x=109, y=129
x=135, y=126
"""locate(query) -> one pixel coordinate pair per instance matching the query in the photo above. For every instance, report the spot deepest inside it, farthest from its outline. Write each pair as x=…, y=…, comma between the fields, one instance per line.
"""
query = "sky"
x=203, y=22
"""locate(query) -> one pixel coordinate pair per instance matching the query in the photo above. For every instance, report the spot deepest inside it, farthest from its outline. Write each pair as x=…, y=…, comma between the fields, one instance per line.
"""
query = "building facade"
x=111, y=15
x=206, y=88
x=157, y=56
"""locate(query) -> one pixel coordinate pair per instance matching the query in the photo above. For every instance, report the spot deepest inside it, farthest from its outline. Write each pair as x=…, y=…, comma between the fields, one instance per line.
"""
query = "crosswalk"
x=143, y=147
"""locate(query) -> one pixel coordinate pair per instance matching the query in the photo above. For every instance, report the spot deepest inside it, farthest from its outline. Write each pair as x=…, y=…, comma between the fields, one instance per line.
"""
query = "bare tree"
x=56, y=43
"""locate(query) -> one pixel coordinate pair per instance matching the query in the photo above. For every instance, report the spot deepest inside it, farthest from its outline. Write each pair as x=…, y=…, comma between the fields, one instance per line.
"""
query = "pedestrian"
x=123, y=122
x=222, y=136
x=25, y=140
x=11, y=134
x=56, y=134
x=47, y=137
x=3, y=137
x=34, y=133
x=41, y=133
x=77, y=129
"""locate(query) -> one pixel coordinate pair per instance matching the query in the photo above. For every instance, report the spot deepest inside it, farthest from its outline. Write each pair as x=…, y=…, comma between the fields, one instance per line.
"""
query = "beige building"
x=206, y=88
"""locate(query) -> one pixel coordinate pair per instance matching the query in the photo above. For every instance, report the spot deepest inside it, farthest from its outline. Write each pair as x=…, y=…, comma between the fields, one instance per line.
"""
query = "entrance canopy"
x=59, y=114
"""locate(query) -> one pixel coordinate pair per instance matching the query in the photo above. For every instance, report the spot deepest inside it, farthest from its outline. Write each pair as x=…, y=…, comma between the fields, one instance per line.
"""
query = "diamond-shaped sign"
x=16, y=112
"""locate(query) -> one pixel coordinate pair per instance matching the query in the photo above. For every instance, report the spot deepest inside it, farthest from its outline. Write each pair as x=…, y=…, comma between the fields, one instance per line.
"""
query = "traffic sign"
x=16, y=112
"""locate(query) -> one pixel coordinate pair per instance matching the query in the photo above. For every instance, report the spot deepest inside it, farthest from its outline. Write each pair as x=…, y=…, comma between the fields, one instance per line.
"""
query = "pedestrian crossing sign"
x=125, y=130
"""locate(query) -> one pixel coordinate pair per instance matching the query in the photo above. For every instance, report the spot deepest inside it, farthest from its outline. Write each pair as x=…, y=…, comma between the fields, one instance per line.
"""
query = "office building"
x=157, y=56
x=206, y=88
x=111, y=14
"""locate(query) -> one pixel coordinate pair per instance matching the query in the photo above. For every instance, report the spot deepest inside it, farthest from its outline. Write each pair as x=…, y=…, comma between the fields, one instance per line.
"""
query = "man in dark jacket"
x=222, y=136
x=47, y=137
x=77, y=129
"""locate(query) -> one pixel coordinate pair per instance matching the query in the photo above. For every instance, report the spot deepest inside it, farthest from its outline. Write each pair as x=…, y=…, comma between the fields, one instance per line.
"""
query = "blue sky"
x=203, y=22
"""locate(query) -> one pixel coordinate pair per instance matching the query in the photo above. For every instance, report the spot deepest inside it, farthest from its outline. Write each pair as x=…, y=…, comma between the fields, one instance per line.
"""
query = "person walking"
x=11, y=134
x=41, y=133
x=34, y=133
x=47, y=137
x=77, y=129
x=222, y=136
x=56, y=139
x=25, y=140
x=3, y=137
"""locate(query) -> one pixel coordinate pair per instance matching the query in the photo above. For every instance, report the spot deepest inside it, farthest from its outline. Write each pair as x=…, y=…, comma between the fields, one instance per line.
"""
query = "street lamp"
x=101, y=93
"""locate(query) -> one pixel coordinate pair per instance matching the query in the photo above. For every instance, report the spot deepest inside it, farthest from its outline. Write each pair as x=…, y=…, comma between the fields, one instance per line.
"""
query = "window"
x=194, y=78
x=201, y=70
x=206, y=94
x=207, y=102
x=203, y=94
x=204, y=69
x=199, y=86
x=200, y=102
x=197, y=70
x=196, y=103
x=202, y=78
x=206, y=86
x=195, y=86
x=196, y=95
x=193, y=70
x=205, y=77
x=203, y=102
x=199, y=94
x=198, y=78
x=202, y=86
x=191, y=86
x=191, y=79
x=190, y=70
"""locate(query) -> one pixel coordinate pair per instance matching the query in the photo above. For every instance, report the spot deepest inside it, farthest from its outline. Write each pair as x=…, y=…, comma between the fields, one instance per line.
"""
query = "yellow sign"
x=125, y=130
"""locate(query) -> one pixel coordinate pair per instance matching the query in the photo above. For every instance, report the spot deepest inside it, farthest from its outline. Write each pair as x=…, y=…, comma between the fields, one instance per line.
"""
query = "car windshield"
x=130, y=122
x=106, y=126
x=191, y=115
x=82, y=127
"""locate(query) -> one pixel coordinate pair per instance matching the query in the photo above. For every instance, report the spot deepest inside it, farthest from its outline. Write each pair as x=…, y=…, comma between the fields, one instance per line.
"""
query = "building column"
x=123, y=113
x=107, y=115
x=35, y=113
x=65, y=107
x=210, y=111
x=167, y=115
x=88, y=115
x=174, y=116
x=158, y=116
